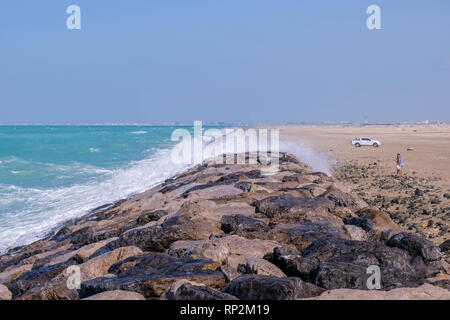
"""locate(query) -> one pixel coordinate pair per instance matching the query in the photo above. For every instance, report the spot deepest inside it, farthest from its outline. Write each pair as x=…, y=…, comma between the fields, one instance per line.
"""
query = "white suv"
x=358, y=142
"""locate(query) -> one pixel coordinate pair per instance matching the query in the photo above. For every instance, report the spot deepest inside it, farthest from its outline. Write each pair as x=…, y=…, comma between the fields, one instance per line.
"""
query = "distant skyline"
x=233, y=61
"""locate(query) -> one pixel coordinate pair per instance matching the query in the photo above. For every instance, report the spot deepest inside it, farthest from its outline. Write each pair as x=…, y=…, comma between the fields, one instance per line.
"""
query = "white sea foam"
x=45, y=209
x=139, y=132
x=307, y=154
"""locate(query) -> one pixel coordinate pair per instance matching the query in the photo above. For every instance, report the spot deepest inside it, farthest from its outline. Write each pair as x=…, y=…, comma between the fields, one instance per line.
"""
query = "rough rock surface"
x=188, y=290
x=256, y=287
x=227, y=231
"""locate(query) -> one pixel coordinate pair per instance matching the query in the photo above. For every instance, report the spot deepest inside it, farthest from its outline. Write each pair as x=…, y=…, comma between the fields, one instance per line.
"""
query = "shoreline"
x=225, y=227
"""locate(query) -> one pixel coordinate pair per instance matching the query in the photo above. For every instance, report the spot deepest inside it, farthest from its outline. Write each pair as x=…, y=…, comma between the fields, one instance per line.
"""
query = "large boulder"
x=116, y=295
x=159, y=237
x=257, y=287
x=276, y=206
x=50, y=282
x=151, y=274
x=14, y=272
x=188, y=290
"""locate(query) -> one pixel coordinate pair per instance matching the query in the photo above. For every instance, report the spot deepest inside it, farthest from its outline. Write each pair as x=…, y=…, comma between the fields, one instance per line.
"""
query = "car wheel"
x=357, y=145
x=375, y=145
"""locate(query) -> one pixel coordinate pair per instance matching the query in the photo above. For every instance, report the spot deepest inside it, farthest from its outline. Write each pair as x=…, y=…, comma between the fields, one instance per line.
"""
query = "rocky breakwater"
x=223, y=231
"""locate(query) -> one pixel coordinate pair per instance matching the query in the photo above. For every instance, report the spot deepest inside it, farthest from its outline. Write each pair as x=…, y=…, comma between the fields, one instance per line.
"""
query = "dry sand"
x=370, y=171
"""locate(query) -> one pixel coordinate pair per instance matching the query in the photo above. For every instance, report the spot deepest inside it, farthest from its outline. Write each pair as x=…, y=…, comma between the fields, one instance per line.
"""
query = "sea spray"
x=68, y=190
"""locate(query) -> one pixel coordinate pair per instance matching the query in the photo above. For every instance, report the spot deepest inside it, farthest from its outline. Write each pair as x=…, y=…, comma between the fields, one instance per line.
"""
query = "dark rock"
x=157, y=238
x=147, y=217
x=301, y=236
x=189, y=291
x=279, y=205
x=445, y=246
x=342, y=199
x=418, y=192
x=293, y=264
x=378, y=225
x=257, y=287
x=152, y=274
x=416, y=245
x=444, y=283
x=343, y=263
x=36, y=278
x=290, y=179
x=241, y=223
x=244, y=186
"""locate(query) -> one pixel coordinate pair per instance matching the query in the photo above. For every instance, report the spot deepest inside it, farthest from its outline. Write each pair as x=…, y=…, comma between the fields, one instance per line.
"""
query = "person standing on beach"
x=400, y=165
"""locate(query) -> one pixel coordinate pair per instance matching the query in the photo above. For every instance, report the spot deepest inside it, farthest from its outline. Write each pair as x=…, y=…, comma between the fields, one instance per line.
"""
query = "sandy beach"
x=370, y=172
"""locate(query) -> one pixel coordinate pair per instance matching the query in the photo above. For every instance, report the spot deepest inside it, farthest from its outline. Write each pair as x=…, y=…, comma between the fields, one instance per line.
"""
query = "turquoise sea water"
x=50, y=174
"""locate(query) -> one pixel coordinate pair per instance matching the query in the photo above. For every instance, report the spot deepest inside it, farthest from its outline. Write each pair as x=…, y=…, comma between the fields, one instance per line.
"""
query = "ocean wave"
x=28, y=214
x=38, y=211
x=139, y=132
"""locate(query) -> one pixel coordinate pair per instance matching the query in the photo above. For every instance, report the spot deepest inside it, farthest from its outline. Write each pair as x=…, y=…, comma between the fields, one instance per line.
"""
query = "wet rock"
x=261, y=267
x=160, y=237
x=445, y=246
x=335, y=275
x=100, y=265
x=240, y=223
x=444, y=283
x=276, y=206
x=230, y=272
x=257, y=287
x=152, y=274
x=419, y=247
x=88, y=235
x=377, y=224
x=188, y=290
x=50, y=283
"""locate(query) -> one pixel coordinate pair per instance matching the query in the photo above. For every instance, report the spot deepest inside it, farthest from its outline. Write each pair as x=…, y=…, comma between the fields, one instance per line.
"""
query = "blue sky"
x=255, y=61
